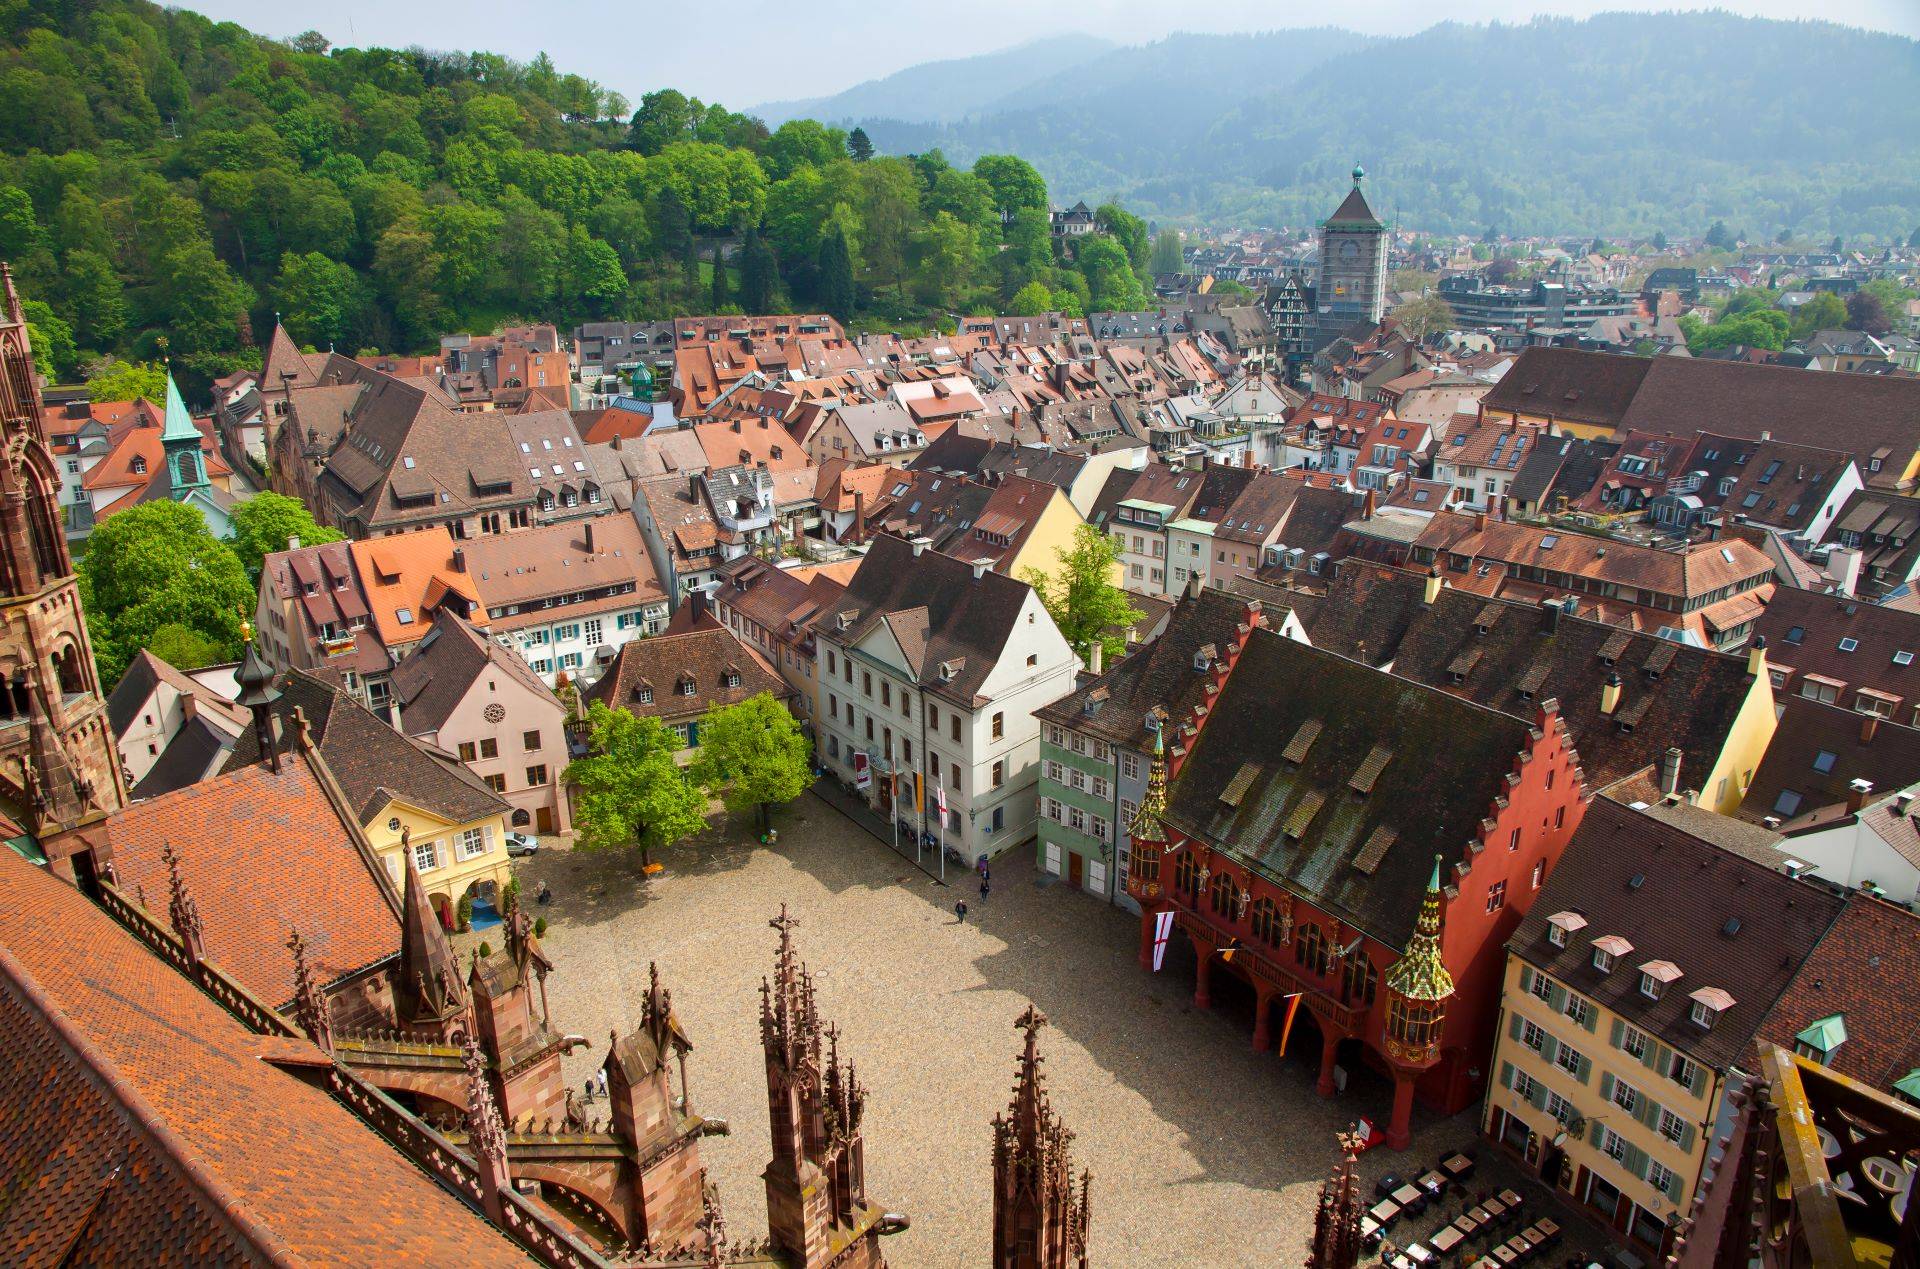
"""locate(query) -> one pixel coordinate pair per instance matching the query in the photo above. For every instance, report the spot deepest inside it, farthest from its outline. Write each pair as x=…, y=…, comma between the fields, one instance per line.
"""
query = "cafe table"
x=1447, y=1240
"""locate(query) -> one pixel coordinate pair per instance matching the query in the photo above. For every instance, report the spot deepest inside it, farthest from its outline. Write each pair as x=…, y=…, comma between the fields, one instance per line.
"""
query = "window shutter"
x=1647, y=1111
x=1619, y=1033
x=487, y=831
x=1526, y=979
x=1559, y=1001
x=1513, y=1026
x=1636, y=1161
x=1506, y=1075
x=1676, y=1188
x=1606, y=1087
x=1586, y=1068
x=1686, y=1140
x=1592, y=1022
x=1658, y=1057
x=1699, y=1084
x=1549, y=1050
x=1597, y=1129
x=1539, y=1097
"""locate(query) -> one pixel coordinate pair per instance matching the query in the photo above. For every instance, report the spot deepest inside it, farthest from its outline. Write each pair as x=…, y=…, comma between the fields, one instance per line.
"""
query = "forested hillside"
x=164, y=177
x=1619, y=124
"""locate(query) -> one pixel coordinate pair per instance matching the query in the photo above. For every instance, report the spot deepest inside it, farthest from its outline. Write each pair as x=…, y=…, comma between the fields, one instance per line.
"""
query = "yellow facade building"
x=1633, y=993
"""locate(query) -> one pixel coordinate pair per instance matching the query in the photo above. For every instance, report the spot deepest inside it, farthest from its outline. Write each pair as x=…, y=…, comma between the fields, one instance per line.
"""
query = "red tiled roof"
x=146, y=1125
x=263, y=854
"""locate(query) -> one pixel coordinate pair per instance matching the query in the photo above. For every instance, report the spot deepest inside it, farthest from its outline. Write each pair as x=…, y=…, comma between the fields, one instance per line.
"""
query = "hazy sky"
x=750, y=51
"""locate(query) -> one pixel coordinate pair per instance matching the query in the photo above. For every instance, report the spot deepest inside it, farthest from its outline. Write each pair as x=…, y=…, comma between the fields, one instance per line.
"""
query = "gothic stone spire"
x=310, y=1005
x=1040, y=1220
x=486, y=1136
x=182, y=913
x=426, y=987
x=1336, y=1221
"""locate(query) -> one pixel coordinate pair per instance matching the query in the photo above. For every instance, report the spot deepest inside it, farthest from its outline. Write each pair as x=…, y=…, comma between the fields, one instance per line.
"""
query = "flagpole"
x=920, y=805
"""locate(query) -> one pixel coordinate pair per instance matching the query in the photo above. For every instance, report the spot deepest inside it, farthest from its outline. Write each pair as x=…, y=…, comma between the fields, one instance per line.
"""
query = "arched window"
x=1223, y=895
x=189, y=474
x=1266, y=922
x=1186, y=878
x=1359, y=980
x=1311, y=949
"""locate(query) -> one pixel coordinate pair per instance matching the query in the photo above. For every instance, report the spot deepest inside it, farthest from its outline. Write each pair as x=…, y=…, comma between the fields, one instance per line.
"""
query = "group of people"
x=986, y=887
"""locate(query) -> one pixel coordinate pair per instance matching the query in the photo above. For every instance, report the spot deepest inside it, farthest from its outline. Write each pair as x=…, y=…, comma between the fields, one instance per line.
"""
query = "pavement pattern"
x=1203, y=1152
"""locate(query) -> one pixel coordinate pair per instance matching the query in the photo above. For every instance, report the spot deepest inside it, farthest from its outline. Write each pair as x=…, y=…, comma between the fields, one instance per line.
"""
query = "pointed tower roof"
x=426, y=984
x=1353, y=213
x=1421, y=974
x=1146, y=825
x=179, y=424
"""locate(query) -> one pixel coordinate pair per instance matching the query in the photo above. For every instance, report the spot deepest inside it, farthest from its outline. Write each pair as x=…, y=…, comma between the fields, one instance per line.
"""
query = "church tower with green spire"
x=180, y=439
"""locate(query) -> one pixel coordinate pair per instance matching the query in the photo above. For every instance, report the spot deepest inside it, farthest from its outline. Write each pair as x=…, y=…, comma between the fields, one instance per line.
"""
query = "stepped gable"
x=1270, y=780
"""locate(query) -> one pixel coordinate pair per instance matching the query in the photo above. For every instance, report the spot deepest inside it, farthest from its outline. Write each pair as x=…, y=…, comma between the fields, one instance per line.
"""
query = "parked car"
x=519, y=844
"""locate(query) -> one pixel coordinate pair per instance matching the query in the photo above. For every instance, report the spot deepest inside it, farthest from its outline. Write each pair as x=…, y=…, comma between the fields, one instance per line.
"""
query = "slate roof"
x=661, y=664
x=372, y=763
x=1157, y=675
x=1571, y=384
x=1812, y=735
x=1450, y=759
x=964, y=620
x=1863, y=969
x=146, y=1125
x=1674, y=898
x=1353, y=212
x=263, y=854
x=432, y=681
x=1805, y=631
x=1672, y=695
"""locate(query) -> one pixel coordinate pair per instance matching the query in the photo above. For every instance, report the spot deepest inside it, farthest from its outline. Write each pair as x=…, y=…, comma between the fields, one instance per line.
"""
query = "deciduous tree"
x=753, y=755
x=632, y=792
x=1082, y=594
x=268, y=522
x=156, y=565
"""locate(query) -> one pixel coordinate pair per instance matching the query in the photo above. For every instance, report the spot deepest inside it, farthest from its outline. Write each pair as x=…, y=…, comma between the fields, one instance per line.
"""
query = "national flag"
x=1226, y=953
x=940, y=797
x=1162, y=931
x=862, y=770
x=1286, y=1027
x=919, y=795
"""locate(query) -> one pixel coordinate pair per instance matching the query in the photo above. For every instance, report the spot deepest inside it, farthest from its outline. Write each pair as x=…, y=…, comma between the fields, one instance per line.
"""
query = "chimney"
x=617, y=442
x=1246, y=458
x=587, y=529
x=1368, y=505
x=981, y=567
x=1670, y=773
x=693, y=485
x=189, y=707
x=1757, y=656
x=1196, y=584
x=1843, y=568
x=696, y=604
x=1869, y=727
x=1096, y=657
x=1479, y=522
x=1550, y=615
x=1610, y=694
x=459, y=559
x=859, y=528
x=919, y=545
x=1857, y=793
x=1432, y=592
x=1903, y=802
x=293, y=542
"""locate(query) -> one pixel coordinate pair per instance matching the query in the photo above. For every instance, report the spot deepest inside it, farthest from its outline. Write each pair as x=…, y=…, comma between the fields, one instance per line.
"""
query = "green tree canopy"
x=860, y=146
x=1424, y=315
x=1031, y=300
x=1014, y=181
x=753, y=755
x=1824, y=311
x=1082, y=594
x=128, y=381
x=1167, y=257
x=267, y=522
x=632, y=792
x=157, y=565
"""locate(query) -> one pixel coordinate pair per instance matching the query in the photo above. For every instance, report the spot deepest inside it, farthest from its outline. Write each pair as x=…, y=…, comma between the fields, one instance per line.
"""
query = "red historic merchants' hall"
x=1364, y=841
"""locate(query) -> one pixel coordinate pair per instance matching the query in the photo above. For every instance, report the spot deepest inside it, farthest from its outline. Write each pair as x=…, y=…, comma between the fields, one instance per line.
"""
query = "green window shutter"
x=1676, y=1188
x=1606, y=1087
x=1686, y=1140
x=1619, y=1033
x=1559, y=1001
x=1596, y=1129
x=1699, y=1084
x=1657, y=1057
x=1647, y=1112
x=1506, y=1075
x=1549, y=1050
x=1539, y=1097
x=1592, y=1023
x=1526, y=978
x=1513, y=1026
x=1636, y=1161
x=1586, y=1068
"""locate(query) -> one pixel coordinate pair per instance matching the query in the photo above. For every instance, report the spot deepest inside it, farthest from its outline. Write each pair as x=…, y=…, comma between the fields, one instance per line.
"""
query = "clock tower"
x=1353, y=264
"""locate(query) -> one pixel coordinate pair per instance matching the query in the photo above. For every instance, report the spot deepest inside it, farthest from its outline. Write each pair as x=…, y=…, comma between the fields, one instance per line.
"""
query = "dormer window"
x=139, y=465
x=1654, y=977
x=1603, y=960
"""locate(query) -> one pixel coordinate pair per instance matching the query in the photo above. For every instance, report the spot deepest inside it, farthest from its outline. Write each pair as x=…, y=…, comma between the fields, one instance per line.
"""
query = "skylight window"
x=1726, y=553
x=1824, y=760
x=1550, y=541
x=1849, y=644
x=1903, y=657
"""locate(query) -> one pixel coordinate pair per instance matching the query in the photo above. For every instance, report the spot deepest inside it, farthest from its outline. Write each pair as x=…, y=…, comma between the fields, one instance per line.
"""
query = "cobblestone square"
x=1203, y=1152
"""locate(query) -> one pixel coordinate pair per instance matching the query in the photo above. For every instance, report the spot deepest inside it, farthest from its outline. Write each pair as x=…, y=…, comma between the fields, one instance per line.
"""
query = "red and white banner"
x=1162, y=931
x=940, y=801
x=862, y=771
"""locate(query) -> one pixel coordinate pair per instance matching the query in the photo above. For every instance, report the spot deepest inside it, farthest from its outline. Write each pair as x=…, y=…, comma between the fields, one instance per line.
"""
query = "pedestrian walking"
x=546, y=894
x=589, y=1087
x=600, y=1080
x=983, y=890
x=960, y=911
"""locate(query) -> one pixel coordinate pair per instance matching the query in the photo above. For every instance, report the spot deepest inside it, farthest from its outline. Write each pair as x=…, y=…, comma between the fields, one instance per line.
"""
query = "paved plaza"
x=1203, y=1152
